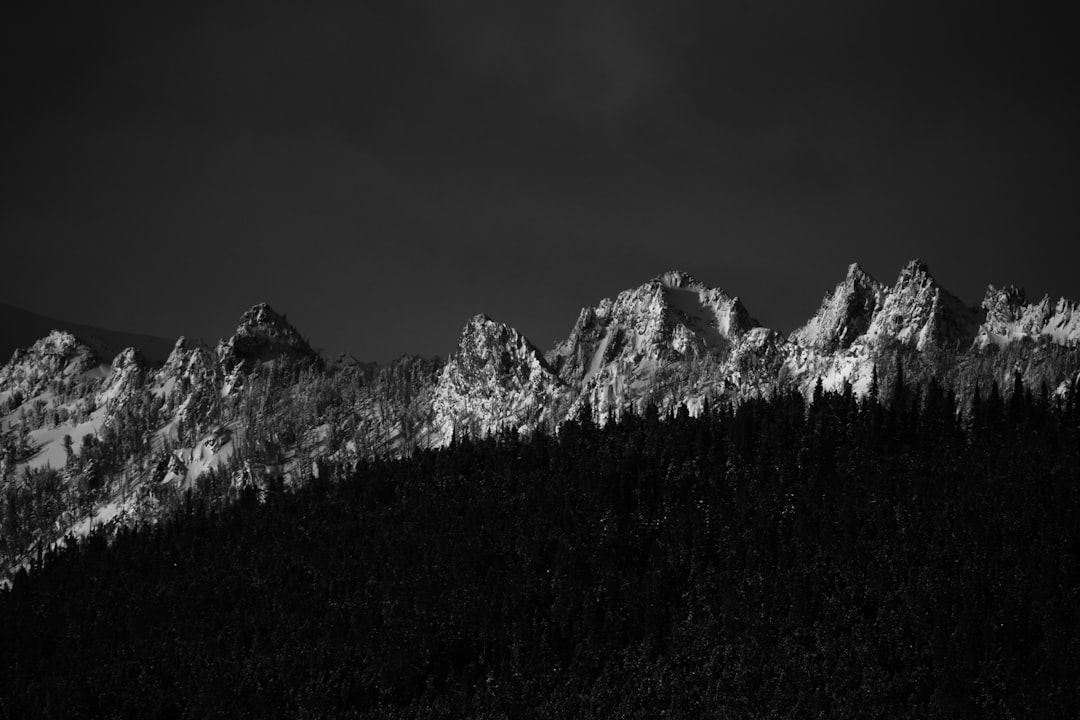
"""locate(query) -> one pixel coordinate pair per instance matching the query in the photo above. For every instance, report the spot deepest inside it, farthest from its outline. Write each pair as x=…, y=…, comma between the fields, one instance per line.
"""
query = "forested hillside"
x=838, y=557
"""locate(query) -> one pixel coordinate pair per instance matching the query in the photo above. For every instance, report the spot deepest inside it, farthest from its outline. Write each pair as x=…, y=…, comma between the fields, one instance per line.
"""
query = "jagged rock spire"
x=845, y=314
x=262, y=335
x=918, y=311
x=495, y=379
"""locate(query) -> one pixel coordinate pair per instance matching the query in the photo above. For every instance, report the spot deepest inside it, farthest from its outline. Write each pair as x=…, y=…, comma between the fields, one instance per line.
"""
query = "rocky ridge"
x=262, y=404
x=1009, y=318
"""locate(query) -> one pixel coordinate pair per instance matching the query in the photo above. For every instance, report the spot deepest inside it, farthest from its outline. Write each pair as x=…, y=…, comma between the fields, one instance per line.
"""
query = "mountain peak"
x=676, y=279
x=479, y=320
x=59, y=342
x=855, y=272
x=1008, y=296
x=483, y=337
x=58, y=354
x=622, y=349
x=915, y=268
x=262, y=315
x=263, y=334
x=128, y=375
x=60, y=348
x=845, y=313
x=496, y=378
x=919, y=311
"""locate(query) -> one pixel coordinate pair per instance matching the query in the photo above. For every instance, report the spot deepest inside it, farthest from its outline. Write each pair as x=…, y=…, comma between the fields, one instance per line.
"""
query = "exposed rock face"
x=845, y=314
x=190, y=383
x=671, y=331
x=188, y=364
x=126, y=379
x=58, y=355
x=495, y=379
x=1009, y=318
x=262, y=335
x=56, y=367
x=863, y=322
x=919, y=312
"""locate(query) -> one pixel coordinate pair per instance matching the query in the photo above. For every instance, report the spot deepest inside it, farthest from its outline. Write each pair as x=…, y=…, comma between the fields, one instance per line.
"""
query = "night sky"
x=382, y=171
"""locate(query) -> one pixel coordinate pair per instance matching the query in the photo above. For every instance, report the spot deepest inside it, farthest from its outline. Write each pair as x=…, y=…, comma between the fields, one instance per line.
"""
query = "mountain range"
x=87, y=439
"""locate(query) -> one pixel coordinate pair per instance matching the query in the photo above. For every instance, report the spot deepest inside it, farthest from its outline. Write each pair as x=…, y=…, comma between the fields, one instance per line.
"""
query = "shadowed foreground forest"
x=837, y=558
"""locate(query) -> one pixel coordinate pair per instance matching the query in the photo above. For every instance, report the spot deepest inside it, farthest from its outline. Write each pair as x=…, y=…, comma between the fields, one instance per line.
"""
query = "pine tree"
x=68, y=449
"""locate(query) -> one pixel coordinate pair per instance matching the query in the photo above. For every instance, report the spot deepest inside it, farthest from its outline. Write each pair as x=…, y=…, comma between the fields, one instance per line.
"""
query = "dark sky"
x=381, y=171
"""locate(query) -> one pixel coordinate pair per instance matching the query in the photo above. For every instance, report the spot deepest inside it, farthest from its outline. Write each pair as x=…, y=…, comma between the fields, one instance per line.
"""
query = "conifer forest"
x=887, y=556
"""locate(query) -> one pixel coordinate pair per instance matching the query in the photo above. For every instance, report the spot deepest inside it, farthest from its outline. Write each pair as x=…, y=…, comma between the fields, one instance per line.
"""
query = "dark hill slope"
x=845, y=560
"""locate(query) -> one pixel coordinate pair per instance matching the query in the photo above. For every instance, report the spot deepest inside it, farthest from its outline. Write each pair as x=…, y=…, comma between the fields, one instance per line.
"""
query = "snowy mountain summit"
x=262, y=335
x=621, y=351
x=495, y=379
x=59, y=356
x=918, y=311
x=845, y=314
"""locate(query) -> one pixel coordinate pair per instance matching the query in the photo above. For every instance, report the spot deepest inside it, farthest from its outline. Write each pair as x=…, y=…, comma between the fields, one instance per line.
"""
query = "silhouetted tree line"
x=834, y=557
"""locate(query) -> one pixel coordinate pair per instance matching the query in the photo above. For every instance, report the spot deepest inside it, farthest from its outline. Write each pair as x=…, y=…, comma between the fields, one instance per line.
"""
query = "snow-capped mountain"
x=59, y=357
x=262, y=335
x=671, y=317
x=918, y=312
x=495, y=379
x=845, y=314
x=672, y=332
x=117, y=442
